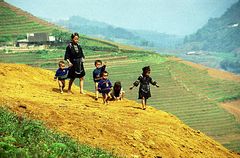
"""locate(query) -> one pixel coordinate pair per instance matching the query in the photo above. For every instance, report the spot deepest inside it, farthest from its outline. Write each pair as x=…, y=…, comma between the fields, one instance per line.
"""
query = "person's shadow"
x=58, y=91
x=135, y=107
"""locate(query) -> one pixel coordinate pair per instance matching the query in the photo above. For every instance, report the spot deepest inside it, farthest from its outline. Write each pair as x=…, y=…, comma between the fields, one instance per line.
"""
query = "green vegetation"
x=63, y=37
x=16, y=23
x=21, y=137
x=12, y=22
x=232, y=145
x=231, y=65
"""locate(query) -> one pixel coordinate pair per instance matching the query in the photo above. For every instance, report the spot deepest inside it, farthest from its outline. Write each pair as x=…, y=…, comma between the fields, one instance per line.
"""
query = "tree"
x=61, y=36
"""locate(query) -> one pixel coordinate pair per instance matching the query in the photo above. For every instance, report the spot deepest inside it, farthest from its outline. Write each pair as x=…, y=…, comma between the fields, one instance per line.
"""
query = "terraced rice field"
x=16, y=21
x=189, y=93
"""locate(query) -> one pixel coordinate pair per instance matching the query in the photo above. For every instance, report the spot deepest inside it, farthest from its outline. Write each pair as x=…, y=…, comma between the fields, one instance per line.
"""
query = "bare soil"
x=233, y=108
x=211, y=71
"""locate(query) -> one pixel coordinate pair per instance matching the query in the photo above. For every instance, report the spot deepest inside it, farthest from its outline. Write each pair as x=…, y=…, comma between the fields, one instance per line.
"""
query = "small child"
x=104, y=87
x=61, y=75
x=117, y=92
x=144, y=89
x=97, y=75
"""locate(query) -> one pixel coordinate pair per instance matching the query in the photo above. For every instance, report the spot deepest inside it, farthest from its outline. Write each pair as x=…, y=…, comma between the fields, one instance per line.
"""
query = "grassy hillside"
x=15, y=23
x=121, y=127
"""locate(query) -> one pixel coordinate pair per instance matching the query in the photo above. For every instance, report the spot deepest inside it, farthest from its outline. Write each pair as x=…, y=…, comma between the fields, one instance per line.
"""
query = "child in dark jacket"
x=144, y=89
x=61, y=75
x=97, y=75
x=104, y=87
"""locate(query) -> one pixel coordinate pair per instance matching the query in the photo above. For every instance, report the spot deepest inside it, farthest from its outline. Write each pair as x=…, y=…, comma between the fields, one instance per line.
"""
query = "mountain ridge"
x=142, y=38
x=219, y=34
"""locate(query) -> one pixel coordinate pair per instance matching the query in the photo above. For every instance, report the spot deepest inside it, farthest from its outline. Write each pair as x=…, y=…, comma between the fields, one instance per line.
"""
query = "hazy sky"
x=179, y=17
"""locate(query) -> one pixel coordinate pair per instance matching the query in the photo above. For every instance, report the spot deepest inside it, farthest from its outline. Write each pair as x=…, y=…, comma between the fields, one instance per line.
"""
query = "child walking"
x=100, y=67
x=104, y=87
x=61, y=75
x=117, y=92
x=144, y=89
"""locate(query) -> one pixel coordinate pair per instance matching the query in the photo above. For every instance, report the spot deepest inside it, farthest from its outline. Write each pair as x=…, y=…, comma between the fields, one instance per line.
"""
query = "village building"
x=36, y=39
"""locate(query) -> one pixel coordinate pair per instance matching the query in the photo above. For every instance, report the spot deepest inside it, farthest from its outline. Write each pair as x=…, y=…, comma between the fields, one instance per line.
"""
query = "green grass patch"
x=234, y=145
x=230, y=98
x=21, y=137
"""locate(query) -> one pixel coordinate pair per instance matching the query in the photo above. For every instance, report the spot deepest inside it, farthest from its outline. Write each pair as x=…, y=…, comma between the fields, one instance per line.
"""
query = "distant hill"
x=160, y=40
x=133, y=37
x=219, y=34
x=96, y=29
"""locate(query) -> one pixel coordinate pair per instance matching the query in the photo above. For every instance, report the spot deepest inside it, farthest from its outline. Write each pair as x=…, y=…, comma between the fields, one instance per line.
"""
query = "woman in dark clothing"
x=75, y=58
x=144, y=89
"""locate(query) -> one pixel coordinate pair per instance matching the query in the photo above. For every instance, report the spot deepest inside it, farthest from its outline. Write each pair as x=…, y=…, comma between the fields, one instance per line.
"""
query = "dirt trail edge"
x=120, y=127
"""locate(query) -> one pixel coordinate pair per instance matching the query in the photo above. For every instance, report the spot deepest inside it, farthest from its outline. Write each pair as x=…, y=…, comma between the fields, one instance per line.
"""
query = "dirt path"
x=120, y=127
x=233, y=107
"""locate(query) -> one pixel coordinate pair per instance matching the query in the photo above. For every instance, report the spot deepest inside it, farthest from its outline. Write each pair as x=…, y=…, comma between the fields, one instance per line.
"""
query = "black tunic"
x=75, y=55
x=144, y=88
